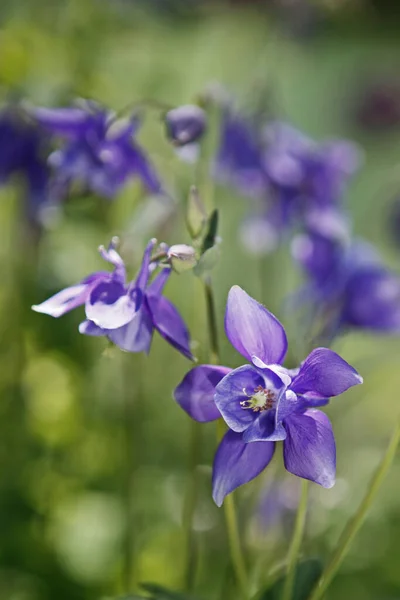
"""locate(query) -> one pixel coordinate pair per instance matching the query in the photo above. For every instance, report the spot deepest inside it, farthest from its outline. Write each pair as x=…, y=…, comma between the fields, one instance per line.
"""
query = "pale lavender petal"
x=252, y=329
x=324, y=373
x=309, y=450
x=109, y=305
x=235, y=388
x=89, y=328
x=136, y=336
x=111, y=255
x=169, y=323
x=195, y=393
x=64, y=301
x=236, y=463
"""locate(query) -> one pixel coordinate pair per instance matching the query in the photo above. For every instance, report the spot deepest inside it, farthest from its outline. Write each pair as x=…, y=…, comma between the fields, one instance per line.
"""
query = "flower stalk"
x=295, y=545
x=229, y=504
x=355, y=523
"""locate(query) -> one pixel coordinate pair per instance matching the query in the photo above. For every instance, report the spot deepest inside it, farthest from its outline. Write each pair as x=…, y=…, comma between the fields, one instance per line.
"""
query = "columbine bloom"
x=263, y=403
x=23, y=154
x=99, y=150
x=185, y=124
x=239, y=158
x=305, y=175
x=127, y=313
x=348, y=286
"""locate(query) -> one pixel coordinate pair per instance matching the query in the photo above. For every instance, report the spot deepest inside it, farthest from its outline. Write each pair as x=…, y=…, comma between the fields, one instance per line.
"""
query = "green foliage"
x=307, y=574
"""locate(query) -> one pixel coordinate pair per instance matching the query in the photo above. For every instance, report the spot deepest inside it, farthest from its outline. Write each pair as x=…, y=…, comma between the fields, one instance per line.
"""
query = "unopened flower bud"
x=185, y=124
x=182, y=257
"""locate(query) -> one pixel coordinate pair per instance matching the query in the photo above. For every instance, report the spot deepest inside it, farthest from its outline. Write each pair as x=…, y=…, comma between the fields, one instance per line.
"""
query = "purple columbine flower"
x=348, y=286
x=23, y=154
x=126, y=312
x=263, y=403
x=99, y=150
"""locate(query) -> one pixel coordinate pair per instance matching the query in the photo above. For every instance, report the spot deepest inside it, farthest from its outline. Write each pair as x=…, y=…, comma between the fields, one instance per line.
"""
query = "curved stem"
x=296, y=542
x=357, y=520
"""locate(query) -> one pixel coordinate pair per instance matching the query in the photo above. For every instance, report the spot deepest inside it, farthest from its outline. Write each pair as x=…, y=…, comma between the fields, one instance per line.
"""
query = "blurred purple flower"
x=126, y=312
x=99, y=150
x=262, y=402
x=305, y=175
x=347, y=287
x=239, y=157
x=23, y=154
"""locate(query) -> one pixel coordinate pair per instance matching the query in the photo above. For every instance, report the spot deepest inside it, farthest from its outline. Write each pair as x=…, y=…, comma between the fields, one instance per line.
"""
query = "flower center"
x=261, y=399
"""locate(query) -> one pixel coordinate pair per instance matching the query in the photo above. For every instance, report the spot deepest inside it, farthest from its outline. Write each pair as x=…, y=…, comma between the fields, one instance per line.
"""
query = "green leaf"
x=207, y=261
x=307, y=574
x=161, y=593
x=212, y=229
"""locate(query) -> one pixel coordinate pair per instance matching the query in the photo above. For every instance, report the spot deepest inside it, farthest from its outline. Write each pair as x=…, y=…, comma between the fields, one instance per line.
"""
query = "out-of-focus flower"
x=23, y=154
x=99, y=150
x=239, y=157
x=305, y=175
x=347, y=287
x=185, y=124
x=127, y=313
x=262, y=402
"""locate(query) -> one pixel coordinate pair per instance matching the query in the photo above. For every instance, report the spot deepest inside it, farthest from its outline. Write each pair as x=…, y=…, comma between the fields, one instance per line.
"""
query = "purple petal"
x=142, y=167
x=143, y=275
x=265, y=428
x=309, y=450
x=195, y=393
x=169, y=323
x=236, y=463
x=109, y=305
x=64, y=301
x=63, y=121
x=89, y=328
x=136, y=336
x=235, y=388
x=157, y=285
x=252, y=329
x=324, y=373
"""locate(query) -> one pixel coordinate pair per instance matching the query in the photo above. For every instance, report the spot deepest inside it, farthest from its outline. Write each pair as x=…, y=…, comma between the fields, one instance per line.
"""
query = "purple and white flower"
x=126, y=312
x=263, y=402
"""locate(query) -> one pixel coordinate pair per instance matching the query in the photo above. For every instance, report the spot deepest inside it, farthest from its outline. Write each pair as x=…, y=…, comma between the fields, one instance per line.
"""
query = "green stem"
x=229, y=504
x=357, y=520
x=296, y=542
x=189, y=508
x=129, y=425
x=233, y=531
x=211, y=322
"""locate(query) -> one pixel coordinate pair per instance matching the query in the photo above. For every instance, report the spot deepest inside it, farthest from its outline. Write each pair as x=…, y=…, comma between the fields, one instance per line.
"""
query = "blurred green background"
x=67, y=400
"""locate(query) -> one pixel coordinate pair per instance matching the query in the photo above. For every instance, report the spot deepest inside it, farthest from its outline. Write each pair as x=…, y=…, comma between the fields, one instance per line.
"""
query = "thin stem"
x=357, y=520
x=229, y=504
x=211, y=322
x=189, y=508
x=296, y=542
x=233, y=530
x=129, y=424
